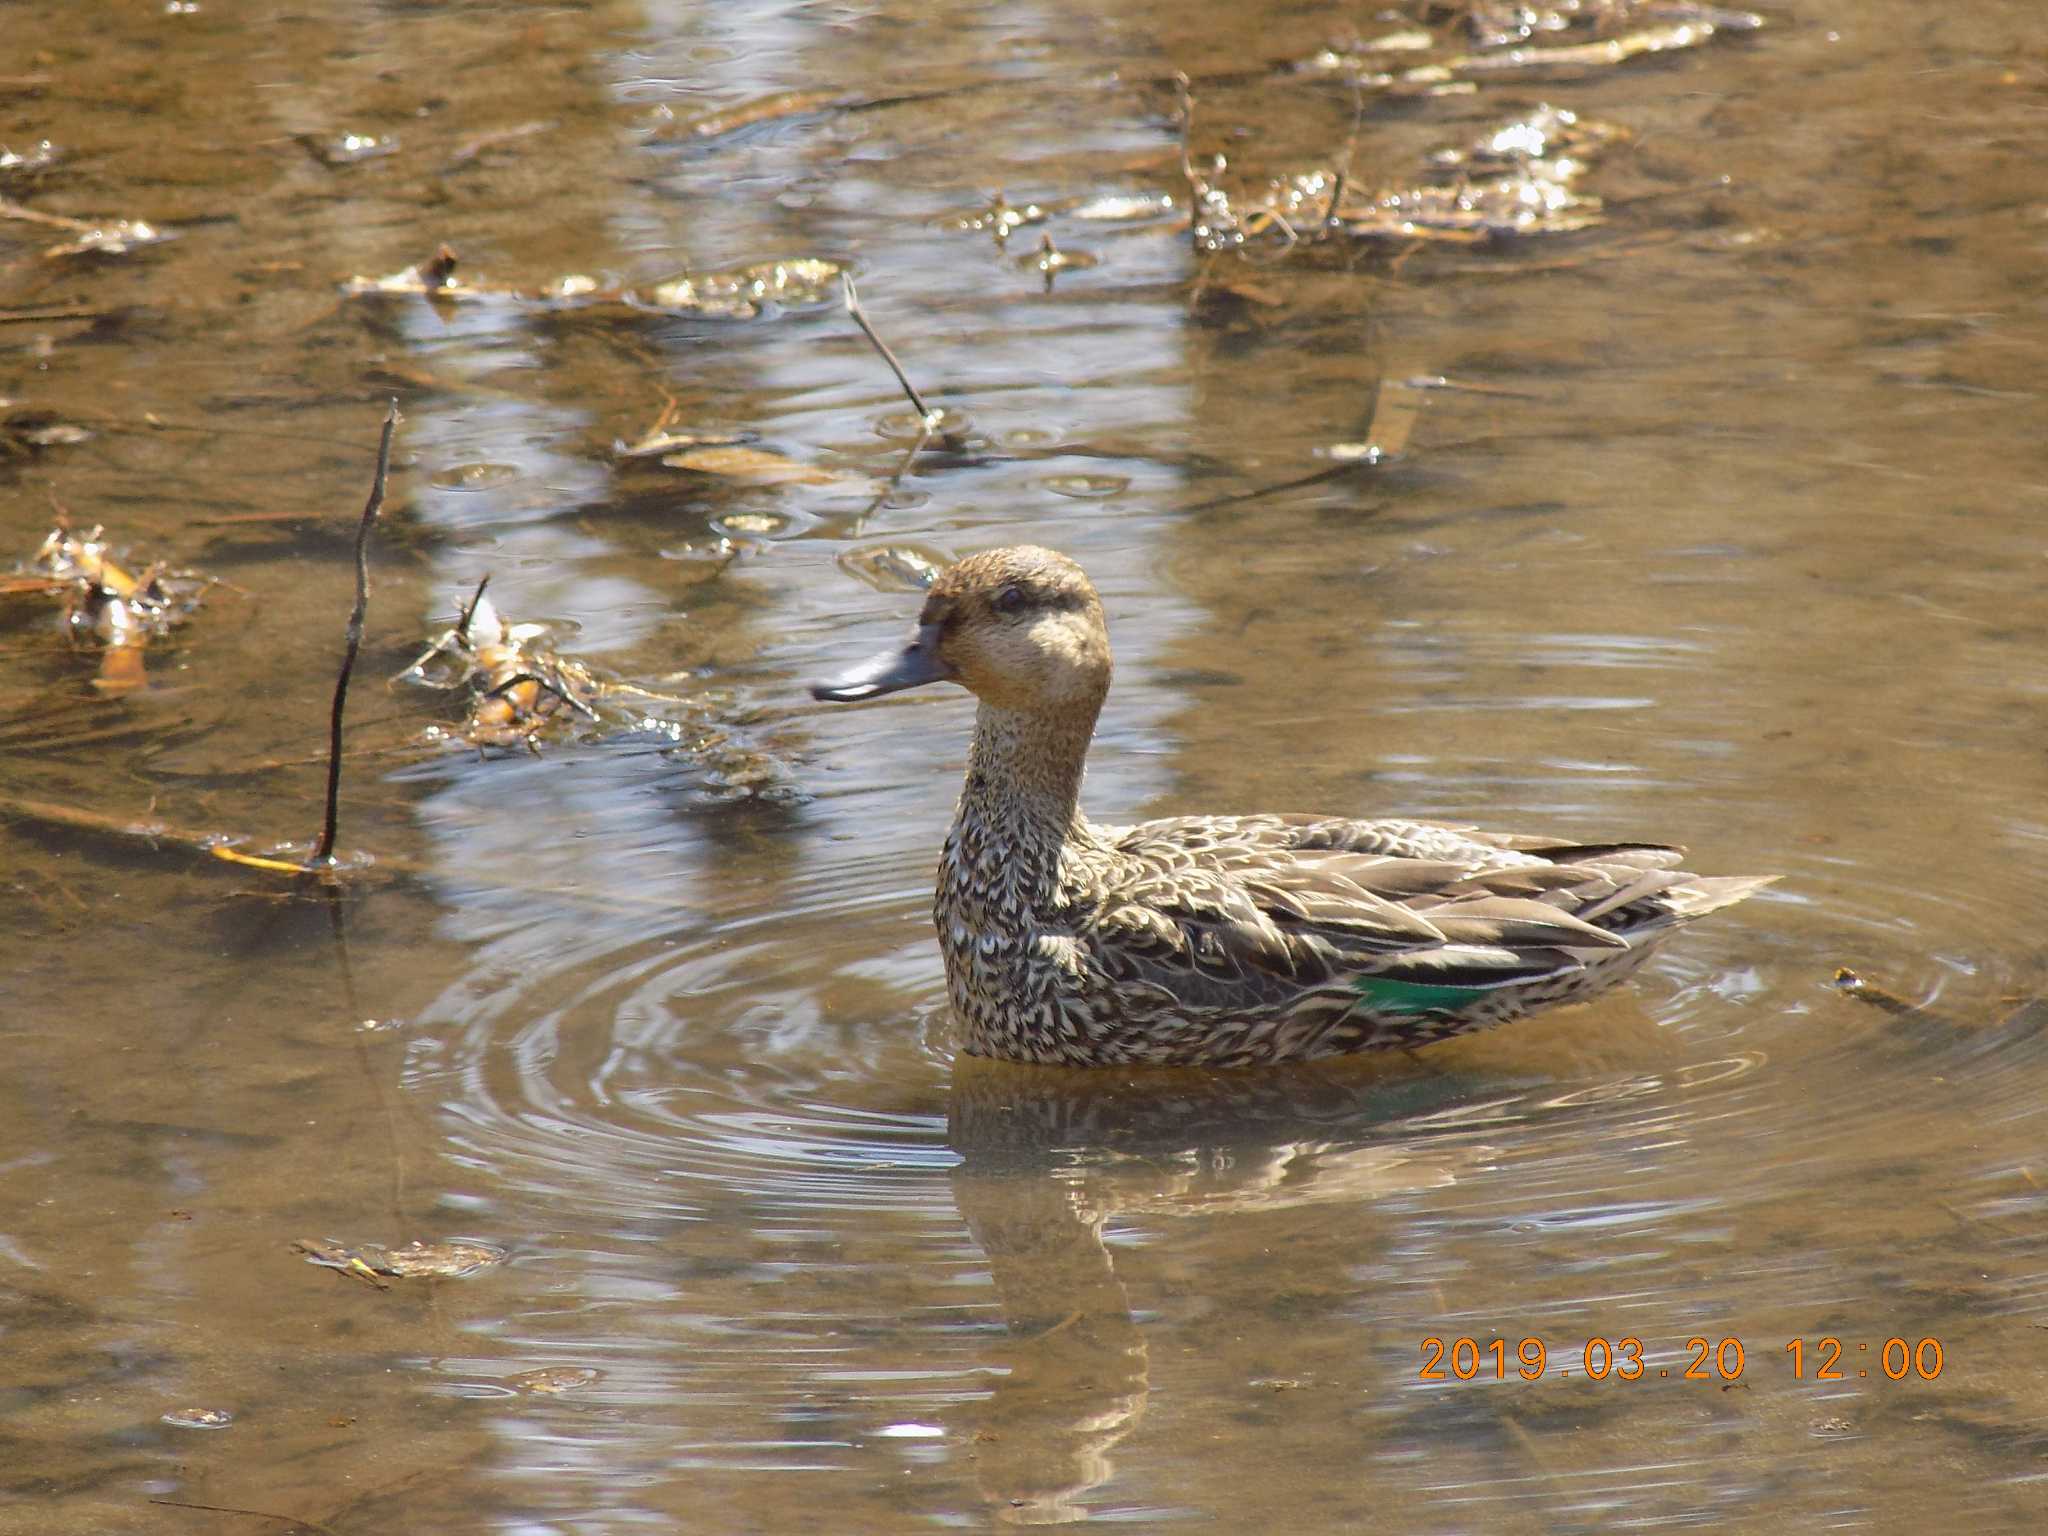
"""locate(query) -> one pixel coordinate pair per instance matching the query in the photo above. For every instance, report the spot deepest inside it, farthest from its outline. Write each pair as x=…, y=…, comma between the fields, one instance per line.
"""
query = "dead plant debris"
x=103, y=601
x=518, y=688
x=370, y=1262
x=21, y=165
x=519, y=692
x=1484, y=39
x=756, y=466
x=89, y=237
x=30, y=431
x=1516, y=181
x=741, y=293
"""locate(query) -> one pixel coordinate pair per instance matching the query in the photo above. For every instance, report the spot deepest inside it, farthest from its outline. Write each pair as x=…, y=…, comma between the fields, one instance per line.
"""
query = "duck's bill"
x=912, y=667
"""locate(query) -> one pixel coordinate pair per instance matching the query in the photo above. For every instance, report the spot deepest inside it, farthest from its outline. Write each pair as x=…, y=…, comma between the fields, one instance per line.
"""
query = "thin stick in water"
x=929, y=416
x=924, y=435
x=324, y=852
x=1186, y=95
x=1343, y=176
x=258, y=1514
x=469, y=612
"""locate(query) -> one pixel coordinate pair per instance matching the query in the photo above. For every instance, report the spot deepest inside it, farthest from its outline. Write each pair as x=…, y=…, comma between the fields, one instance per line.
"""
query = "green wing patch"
x=1384, y=994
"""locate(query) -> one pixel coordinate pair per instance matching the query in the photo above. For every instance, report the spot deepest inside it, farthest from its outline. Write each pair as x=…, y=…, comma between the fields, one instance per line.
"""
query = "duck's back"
x=1256, y=938
x=1351, y=872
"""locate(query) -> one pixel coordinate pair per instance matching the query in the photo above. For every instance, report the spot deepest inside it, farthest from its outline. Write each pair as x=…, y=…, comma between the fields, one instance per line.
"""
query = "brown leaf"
x=755, y=466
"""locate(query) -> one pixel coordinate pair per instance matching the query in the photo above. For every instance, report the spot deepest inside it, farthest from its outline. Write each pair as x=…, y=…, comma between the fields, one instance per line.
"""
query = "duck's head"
x=1021, y=628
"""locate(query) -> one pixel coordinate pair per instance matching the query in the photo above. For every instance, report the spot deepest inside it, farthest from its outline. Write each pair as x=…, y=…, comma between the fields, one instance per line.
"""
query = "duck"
x=1226, y=940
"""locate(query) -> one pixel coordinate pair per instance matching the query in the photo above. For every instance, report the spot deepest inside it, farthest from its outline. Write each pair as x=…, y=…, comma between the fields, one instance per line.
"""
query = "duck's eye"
x=1011, y=600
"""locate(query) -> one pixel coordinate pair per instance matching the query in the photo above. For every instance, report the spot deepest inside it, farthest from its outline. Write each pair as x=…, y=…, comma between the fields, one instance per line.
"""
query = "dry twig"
x=930, y=417
x=323, y=852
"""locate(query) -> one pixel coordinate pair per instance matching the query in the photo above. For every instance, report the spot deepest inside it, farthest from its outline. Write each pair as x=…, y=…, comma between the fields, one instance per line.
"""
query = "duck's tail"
x=1710, y=893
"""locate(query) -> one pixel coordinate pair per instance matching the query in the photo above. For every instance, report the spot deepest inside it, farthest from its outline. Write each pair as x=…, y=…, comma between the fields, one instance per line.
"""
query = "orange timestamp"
x=1722, y=1360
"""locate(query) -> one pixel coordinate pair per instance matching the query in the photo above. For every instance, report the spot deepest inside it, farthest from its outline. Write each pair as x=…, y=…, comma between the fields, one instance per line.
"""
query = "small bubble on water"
x=1087, y=487
x=474, y=477
x=199, y=1418
x=553, y=1379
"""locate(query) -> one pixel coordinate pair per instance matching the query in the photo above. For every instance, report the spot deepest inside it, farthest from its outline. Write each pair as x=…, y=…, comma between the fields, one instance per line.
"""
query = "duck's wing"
x=1292, y=902
x=1625, y=888
x=1428, y=864
x=1203, y=903
x=1233, y=836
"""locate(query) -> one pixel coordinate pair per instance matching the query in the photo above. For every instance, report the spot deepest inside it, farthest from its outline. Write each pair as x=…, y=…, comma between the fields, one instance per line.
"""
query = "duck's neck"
x=1021, y=803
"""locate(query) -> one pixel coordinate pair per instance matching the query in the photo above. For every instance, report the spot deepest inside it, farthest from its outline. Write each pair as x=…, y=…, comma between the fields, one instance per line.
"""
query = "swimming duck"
x=1226, y=940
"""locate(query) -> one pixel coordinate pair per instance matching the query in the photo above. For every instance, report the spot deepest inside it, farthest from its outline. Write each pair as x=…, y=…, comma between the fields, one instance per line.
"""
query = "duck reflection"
x=1049, y=1156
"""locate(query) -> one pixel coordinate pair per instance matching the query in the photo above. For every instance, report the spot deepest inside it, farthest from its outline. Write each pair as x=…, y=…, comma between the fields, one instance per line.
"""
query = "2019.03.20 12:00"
x=1724, y=1360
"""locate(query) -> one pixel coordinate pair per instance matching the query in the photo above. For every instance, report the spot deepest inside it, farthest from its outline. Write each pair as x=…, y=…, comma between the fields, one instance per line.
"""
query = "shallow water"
x=1727, y=532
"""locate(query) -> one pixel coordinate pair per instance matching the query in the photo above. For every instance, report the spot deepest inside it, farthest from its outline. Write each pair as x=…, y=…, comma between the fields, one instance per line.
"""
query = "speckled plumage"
x=1227, y=940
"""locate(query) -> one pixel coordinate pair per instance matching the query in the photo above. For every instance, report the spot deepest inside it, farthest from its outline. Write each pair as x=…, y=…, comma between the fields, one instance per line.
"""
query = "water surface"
x=1726, y=531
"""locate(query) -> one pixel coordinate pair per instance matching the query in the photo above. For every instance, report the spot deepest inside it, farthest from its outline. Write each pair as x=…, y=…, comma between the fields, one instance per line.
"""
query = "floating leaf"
x=755, y=466
x=764, y=109
x=659, y=444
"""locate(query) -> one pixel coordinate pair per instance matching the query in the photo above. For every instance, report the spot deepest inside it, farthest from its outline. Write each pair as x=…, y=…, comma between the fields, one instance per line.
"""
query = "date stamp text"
x=1827, y=1358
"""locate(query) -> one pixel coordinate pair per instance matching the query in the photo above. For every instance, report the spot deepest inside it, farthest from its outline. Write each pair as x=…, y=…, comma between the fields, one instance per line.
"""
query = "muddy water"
x=1728, y=532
